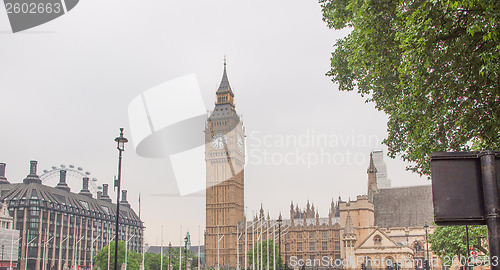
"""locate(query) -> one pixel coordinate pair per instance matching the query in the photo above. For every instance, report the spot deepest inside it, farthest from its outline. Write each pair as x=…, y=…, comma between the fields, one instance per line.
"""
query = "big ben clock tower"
x=225, y=160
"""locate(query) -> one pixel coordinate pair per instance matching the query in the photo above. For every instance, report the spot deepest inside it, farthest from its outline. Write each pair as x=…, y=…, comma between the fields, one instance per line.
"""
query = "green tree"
x=266, y=255
x=450, y=241
x=431, y=65
x=152, y=261
x=133, y=258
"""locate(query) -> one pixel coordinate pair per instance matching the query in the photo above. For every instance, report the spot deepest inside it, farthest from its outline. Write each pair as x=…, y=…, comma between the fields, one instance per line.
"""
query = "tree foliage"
x=450, y=241
x=431, y=65
x=134, y=259
x=152, y=261
x=265, y=255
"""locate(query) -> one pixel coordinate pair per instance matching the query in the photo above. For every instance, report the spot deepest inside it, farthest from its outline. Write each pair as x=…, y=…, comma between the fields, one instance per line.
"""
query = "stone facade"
x=225, y=161
x=386, y=226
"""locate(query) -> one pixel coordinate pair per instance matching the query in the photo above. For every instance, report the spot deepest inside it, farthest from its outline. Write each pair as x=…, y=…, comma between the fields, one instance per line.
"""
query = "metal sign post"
x=465, y=188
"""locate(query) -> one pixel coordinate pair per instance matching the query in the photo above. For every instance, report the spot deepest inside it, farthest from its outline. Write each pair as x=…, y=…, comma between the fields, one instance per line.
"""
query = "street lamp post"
x=185, y=251
x=169, y=255
x=279, y=240
x=426, y=226
x=121, y=147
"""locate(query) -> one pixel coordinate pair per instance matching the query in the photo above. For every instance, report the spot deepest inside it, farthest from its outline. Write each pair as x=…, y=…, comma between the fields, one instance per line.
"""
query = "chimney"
x=85, y=190
x=3, y=179
x=124, y=201
x=32, y=177
x=99, y=195
x=105, y=197
x=62, y=181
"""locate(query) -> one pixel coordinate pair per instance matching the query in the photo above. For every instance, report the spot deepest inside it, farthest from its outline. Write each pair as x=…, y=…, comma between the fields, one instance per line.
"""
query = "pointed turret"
x=372, y=179
x=261, y=211
x=337, y=207
x=225, y=94
x=349, y=237
x=371, y=167
x=349, y=227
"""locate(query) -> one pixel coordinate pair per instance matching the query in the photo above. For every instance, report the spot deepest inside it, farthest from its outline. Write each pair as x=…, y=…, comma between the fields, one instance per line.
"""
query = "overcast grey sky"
x=65, y=87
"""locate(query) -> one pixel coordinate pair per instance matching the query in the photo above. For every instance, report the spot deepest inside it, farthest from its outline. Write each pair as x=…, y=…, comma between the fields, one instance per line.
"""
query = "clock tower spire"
x=225, y=161
x=225, y=94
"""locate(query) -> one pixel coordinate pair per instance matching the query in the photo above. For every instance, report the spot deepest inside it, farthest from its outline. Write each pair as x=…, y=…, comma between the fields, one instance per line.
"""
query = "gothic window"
x=299, y=246
x=389, y=261
x=311, y=234
x=324, y=246
x=299, y=235
x=311, y=246
x=337, y=245
x=377, y=240
x=324, y=234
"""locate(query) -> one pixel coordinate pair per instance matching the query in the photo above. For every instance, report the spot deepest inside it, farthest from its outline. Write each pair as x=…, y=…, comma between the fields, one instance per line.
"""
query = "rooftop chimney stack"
x=105, y=197
x=62, y=181
x=99, y=195
x=124, y=201
x=3, y=179
x=33, y=164
x=85, y=190
x=32, y=177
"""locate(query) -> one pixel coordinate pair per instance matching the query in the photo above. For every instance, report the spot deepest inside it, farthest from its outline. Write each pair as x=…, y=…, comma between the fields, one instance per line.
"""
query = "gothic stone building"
x=386, y=223
x=60, y=228
x=386, y=226
x=225, y=160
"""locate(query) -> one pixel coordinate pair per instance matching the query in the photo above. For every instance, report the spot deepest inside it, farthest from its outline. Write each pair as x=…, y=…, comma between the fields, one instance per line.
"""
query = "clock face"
x=240, y=143
x=219, y=141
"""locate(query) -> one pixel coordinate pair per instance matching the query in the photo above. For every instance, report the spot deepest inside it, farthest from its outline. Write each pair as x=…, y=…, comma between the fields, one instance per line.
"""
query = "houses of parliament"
x=384, y=224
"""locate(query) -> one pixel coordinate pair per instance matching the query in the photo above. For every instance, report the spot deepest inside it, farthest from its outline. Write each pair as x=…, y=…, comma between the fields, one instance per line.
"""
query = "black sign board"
x=457, y=187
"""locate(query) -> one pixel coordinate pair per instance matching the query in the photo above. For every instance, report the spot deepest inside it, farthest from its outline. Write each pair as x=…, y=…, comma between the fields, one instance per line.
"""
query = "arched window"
x=368, y=263
x=377, y=240
x=389, y=261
